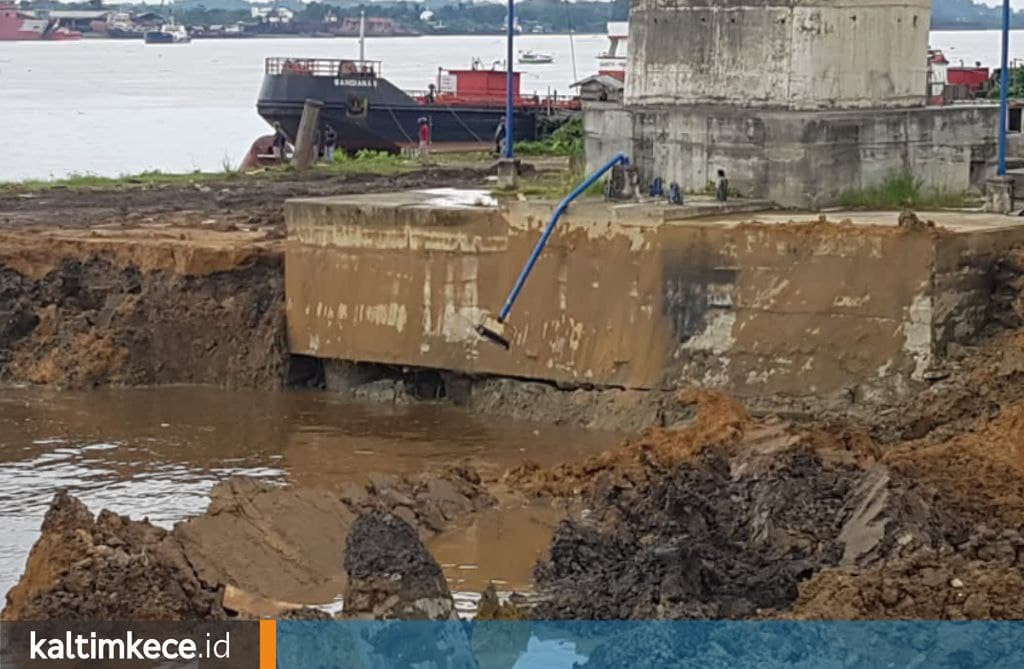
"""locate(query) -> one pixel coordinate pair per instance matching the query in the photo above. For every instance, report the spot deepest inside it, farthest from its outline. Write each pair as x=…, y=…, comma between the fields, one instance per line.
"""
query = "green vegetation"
x=902, y=189
x=566, y=140
x=1016, y=84
x=364, y=162
x=371, y=162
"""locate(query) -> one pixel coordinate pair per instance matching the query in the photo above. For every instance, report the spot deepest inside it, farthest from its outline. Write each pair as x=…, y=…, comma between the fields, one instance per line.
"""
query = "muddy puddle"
x=157, y=452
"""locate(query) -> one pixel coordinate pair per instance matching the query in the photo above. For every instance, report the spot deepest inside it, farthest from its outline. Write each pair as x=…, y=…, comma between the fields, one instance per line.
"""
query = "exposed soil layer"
x=148, y=285
x=733, y=518
x=88, y=322
x=927, y=587
x=286, y=543
x=108, y=568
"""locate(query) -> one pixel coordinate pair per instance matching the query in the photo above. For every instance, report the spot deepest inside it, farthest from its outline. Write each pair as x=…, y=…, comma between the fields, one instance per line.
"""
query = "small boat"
x=534, y=58
x=167, y=34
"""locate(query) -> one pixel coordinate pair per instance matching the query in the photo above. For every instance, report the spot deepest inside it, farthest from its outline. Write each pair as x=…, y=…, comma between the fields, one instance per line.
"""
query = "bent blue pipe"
x=618, y=159
x=1004, y=90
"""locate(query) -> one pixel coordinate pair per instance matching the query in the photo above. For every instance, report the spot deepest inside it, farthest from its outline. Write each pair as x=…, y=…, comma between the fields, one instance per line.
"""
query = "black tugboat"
x=367, y=111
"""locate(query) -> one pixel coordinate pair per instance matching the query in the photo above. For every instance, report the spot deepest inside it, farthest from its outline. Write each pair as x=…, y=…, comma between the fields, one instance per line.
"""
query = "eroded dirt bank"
x=162, y=284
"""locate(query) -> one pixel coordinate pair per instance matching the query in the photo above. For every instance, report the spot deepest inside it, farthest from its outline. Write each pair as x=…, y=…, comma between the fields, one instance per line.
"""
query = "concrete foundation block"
x=999, y=195
x=770, y=305
x=800, y=159
x=508, y=173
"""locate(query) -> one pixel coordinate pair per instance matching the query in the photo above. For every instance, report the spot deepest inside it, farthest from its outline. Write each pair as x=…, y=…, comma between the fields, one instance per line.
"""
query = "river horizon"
x=120, y=107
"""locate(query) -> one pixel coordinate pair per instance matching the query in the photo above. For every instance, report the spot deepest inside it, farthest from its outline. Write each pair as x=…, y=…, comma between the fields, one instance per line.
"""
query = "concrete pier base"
x=999, y=195
x=797, y=158
x=508, y=173
x=641, y=295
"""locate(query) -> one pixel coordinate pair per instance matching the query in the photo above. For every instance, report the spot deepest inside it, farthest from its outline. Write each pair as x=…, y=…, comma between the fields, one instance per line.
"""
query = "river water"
x=113, y=107
x=157, y=452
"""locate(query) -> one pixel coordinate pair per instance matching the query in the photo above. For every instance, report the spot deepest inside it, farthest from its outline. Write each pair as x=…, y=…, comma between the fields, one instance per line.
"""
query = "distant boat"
x=535, y=58
x=167, y=34
x=16, y=24
x=612, y=62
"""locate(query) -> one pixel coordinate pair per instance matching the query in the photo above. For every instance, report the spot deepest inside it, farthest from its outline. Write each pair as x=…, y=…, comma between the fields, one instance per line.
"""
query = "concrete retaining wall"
x=799, y=159
x=623, y=298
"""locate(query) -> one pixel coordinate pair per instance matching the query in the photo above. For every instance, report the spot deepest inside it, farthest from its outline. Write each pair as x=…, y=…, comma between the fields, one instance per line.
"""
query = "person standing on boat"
x=424, y=137
x=330, y=141
x=280, y=141
x=499, y=137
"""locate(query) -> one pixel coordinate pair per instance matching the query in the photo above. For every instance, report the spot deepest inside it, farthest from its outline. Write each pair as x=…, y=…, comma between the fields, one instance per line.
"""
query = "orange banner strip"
x=268, y=644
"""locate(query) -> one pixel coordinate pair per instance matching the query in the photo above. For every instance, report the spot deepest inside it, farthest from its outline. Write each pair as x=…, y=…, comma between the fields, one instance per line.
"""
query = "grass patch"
x=370, y=162
x=903, y=189
x=363, y=162
x=566, y=140
x=148, y=178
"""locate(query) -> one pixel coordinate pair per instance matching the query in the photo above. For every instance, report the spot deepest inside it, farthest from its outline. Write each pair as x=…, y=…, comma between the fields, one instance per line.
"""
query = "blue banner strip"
x=639, y=645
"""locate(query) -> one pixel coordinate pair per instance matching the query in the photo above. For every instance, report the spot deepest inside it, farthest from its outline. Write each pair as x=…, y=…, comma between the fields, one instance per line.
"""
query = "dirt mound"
x=922, y=588
x=719, y=420
x=391, y=574
x=979, y=475
x=110, y=568
x=728, y=533
x=90, y=322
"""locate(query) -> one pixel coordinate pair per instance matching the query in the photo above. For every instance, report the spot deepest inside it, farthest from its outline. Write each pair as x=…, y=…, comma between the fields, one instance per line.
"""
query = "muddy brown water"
x=156, y=452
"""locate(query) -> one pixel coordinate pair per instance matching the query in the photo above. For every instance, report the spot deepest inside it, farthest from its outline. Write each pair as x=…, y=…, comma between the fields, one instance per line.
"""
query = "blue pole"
x=510, y=150
x=1004, y=89
x=559, y=210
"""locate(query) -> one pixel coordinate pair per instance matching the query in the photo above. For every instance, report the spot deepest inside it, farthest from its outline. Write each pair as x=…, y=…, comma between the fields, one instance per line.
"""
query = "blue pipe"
x=619, y=158
x=1004, y=89
x=510, y=150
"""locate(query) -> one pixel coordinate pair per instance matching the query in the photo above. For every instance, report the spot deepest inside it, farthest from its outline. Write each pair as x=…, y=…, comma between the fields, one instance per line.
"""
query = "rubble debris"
x=724, y=536
x=908, y=220
x=391, y=575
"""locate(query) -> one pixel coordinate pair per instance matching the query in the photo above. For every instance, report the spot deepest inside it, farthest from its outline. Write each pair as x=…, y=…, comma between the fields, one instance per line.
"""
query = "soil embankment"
x=157, y=284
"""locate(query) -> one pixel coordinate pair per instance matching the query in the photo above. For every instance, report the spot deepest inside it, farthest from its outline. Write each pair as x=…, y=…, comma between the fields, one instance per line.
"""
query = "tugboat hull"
x=390, y=128
x=368, y=112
